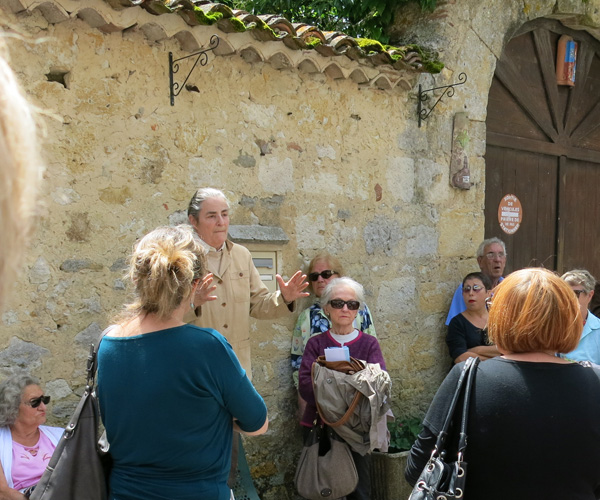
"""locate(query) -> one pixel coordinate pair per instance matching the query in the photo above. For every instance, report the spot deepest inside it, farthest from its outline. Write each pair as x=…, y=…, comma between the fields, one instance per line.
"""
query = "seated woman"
x=171, y=394
x=312, y=321
x=467, y=337
x=26, y=445
x=341, y=299
x=529, y=409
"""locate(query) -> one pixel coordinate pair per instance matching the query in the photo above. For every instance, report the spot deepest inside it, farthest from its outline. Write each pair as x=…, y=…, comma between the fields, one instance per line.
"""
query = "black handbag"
x=326, y=468
x=79, y=466
x=442, y=479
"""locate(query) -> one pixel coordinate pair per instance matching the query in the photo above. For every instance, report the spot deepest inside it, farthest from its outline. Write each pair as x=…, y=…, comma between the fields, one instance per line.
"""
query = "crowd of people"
x=183, y=347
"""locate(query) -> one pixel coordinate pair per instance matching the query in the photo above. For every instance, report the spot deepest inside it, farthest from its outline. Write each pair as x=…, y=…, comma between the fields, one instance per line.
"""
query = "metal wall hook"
x=202, y=58
x=423, y=112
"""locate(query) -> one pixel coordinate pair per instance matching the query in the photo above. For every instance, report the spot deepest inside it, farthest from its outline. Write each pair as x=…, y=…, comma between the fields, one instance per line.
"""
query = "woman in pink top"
x=26, y=445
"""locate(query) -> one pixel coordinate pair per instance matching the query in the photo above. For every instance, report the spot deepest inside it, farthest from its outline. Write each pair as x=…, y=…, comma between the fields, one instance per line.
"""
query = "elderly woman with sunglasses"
x=342, y=299
x=467, y=334
x=26, y=445
x=312, y=321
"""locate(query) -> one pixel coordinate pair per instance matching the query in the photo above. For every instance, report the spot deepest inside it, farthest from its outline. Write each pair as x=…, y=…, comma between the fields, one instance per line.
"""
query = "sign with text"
x=510, y=214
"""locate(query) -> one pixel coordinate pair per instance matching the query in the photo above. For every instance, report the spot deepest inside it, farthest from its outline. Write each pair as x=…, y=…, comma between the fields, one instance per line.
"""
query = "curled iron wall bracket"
x=201, y=57
x=422, y=111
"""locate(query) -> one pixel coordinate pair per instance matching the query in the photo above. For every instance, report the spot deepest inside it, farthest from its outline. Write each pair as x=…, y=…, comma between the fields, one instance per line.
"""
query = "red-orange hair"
x=534, y=310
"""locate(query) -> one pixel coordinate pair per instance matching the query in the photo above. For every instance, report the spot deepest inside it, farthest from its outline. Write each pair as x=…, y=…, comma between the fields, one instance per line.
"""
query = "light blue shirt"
x=589, y=345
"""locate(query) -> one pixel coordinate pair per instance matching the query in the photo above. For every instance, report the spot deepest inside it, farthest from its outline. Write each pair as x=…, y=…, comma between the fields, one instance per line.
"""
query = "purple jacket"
x=363, y=347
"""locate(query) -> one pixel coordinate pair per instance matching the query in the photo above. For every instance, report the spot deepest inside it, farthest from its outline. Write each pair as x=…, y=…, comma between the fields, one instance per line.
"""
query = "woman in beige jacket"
x=233, y=291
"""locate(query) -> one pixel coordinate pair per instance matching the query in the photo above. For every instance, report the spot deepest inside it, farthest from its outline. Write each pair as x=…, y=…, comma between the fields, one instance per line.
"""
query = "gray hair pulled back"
x=201, y=196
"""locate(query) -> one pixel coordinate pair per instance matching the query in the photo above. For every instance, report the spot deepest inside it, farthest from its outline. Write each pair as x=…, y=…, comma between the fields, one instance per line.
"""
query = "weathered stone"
x=40, y=271
x=176, y=218
x=58, y=389
x=119, y=265
x=260, y=234
x=119, y=285
x=90, y=335
x=65, y=196
x=80, y=228
x=74, y=265
x=245, y=160
x=64, y=409
x=10, y=318
x=382, y=234
x=25, y=355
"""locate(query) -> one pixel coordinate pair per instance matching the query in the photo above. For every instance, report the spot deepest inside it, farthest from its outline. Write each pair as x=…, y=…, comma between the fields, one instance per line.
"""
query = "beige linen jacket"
x=240, y=294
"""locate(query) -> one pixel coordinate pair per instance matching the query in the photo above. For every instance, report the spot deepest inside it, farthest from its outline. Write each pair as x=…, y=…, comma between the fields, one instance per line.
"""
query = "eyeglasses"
x=353, y=305
x=579, y=292
x=324, y=274
x=495, y=255
x=475, y=288
x=35, y=402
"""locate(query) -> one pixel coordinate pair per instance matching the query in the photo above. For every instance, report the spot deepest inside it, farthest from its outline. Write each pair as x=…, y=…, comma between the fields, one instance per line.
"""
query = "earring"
x=192, y=305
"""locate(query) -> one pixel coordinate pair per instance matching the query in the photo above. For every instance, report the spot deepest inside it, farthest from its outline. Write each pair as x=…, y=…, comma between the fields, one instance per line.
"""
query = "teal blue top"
x=167, y=400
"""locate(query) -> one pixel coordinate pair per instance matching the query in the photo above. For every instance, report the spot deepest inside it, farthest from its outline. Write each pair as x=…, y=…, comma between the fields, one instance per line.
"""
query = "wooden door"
x=543, y=145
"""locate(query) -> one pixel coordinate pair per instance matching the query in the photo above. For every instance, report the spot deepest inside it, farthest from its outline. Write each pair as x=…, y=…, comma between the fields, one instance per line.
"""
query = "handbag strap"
x=441, y=439
x=346, y=415
x=92, y=361
x=462, y=441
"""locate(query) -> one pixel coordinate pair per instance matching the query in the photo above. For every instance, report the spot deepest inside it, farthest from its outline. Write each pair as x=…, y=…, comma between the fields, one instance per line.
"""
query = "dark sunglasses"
x=579, y=292
x=324, y=274
x=35, y=402
x=353, y=305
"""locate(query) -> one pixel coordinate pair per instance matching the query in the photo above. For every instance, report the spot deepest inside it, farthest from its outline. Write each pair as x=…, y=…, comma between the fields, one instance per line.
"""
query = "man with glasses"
x=491, y=257
x=582, y=283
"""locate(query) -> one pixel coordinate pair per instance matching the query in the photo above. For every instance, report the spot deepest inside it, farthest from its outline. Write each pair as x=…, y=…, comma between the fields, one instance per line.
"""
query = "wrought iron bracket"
x=201, y=57
x=422, y=97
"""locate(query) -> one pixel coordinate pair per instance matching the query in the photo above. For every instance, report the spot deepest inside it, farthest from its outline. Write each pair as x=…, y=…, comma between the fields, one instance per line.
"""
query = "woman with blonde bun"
x=171, y=393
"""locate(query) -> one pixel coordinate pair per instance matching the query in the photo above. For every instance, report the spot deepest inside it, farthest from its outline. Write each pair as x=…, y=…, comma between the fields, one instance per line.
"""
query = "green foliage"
x=357, y=18
x=403, y=433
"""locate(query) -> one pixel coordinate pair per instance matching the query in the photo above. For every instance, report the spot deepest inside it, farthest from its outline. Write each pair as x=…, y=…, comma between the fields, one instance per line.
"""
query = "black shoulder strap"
x=441, y=439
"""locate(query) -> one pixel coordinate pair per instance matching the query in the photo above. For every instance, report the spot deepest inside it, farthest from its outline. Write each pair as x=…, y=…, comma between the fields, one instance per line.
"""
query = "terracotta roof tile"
x=302, y=46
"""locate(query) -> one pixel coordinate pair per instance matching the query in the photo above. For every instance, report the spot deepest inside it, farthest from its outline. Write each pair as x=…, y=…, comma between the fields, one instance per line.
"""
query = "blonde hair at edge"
x=163, y=267
x=332, y=262
x=20, y=173
x=534, y=310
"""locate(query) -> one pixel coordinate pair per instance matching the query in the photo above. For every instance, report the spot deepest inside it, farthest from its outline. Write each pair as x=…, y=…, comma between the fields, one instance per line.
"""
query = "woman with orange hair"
x=534, y=419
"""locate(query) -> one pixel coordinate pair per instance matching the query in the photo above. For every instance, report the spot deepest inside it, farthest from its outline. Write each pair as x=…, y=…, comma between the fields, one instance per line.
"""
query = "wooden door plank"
x=588, y=125
x=512, y=80
x=578, y=98
x=546, y=148
x=545, y=235
x=546, y=59
x=579, y=230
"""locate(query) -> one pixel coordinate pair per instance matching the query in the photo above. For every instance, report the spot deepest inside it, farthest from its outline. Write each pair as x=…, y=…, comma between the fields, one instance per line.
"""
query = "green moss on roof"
x=430, y=63
x=369, y=45
x=238, y=25
x=265, y=27
x=207, y=19
x=313, y=41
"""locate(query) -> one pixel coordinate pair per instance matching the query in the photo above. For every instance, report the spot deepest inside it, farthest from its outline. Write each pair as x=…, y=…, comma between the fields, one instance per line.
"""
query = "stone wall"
x=336, y=166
